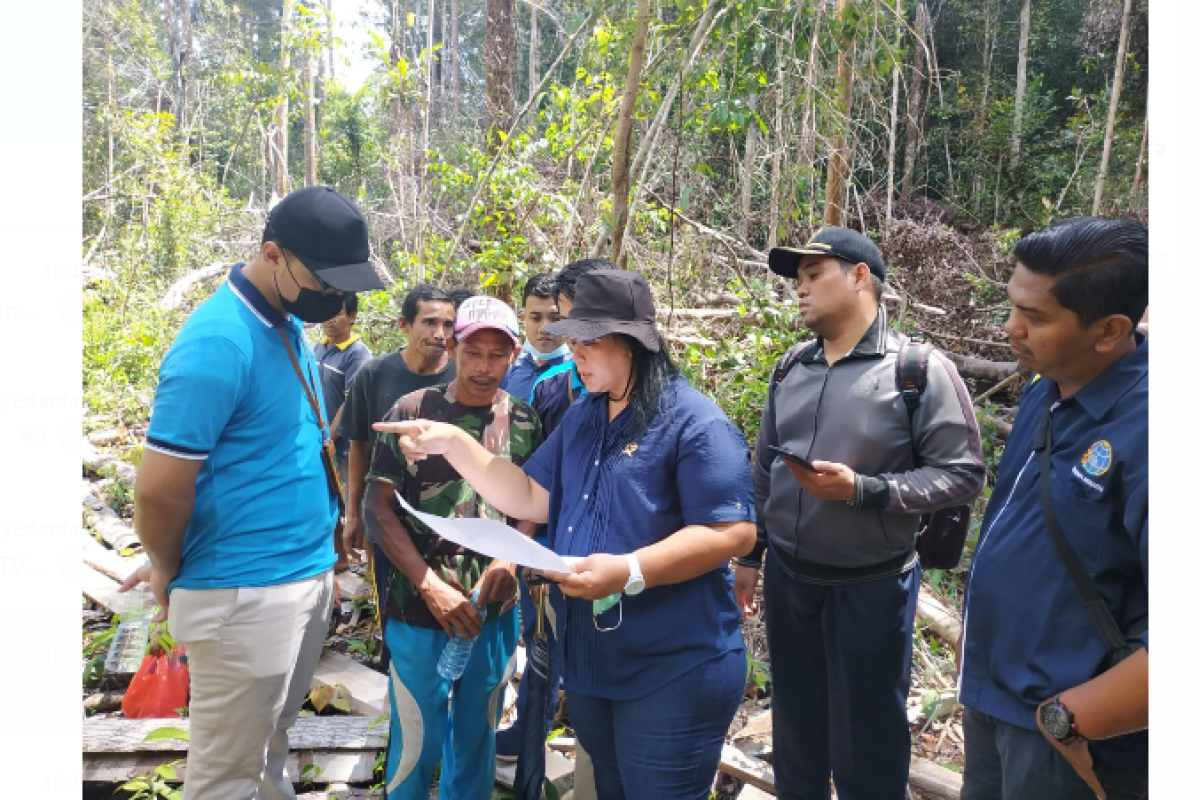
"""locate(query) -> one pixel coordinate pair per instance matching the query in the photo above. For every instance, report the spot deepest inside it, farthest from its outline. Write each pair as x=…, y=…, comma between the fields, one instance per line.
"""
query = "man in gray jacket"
x=842, y=580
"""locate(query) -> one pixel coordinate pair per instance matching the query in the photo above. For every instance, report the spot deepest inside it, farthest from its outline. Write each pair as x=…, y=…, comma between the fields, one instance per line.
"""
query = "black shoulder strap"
x=1097, y=609
x=784, y=366
x=912, y=373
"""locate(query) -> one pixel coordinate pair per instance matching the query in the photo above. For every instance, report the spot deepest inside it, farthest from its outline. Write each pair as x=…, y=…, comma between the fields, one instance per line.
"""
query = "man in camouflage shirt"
x=429, y=597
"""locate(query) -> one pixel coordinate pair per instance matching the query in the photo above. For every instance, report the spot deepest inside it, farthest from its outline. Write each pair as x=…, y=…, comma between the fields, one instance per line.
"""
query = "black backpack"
x=941, y=535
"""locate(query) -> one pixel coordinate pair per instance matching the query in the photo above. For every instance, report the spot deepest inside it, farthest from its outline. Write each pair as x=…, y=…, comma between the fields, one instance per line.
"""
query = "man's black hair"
x=350, y=303
x=1100, y=265
x=538, y=286
x=457, y=296
x=422, y=293
x=564, y=281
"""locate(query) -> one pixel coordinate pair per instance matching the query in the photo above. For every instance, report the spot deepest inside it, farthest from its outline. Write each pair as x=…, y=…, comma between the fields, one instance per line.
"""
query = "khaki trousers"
x=251, y=653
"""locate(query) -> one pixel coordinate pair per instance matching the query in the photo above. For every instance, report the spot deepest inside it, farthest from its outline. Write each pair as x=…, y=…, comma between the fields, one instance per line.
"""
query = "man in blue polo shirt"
x=236, y=501
x=1050, y=712
x=541, y=351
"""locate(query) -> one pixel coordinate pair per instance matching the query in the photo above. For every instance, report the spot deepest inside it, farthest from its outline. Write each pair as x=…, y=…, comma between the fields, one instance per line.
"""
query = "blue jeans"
x=426, y=729
x=1006, y=762
x=668, y=743
x=841, y=662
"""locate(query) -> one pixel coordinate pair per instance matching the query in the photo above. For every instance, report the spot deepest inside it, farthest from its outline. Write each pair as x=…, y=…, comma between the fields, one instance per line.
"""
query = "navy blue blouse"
x=613, y=493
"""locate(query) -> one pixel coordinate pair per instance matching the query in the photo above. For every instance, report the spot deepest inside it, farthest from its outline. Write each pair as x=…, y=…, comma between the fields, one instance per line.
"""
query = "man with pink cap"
x=439, y=590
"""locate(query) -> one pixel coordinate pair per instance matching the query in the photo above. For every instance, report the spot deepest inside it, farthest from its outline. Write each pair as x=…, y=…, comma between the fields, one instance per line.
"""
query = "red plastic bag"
x=159, y=688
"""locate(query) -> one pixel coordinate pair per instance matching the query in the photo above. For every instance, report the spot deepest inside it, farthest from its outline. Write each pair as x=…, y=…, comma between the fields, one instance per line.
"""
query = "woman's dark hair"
x=652, y=372
x=1100, y=266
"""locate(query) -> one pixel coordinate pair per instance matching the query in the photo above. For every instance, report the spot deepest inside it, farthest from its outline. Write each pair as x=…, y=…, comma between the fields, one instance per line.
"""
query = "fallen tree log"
x=935, y=779
x=112, y=529
x=971, y=367
x=941, y=620
x=103, y=701
x=175, y=295
x=95, y=461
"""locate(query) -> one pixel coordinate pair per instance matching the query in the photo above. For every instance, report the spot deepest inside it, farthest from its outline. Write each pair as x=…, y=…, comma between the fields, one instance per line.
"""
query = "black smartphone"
x=792, y=457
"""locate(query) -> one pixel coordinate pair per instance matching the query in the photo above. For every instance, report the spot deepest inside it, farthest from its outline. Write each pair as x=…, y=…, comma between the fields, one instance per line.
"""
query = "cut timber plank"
x=368, y=689
x=118, y=735
x=934, y=778
x=339, y=791
x=107, y=562
x=98, y=588
x=751, y=792
x=344, y=767
x=559, y=769
x=749, y=770
x=350, y=585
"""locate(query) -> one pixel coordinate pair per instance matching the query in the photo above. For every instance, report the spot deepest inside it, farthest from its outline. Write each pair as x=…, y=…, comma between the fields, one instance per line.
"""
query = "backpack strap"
x=912, y=374
x=785, y=364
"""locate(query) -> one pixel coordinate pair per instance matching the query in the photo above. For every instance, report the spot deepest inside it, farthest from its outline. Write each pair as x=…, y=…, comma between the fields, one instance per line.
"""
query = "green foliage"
x=155, y=785
x=758, y=673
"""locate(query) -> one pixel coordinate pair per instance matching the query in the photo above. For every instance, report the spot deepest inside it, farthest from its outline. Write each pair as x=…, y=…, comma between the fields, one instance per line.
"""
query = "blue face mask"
x=562, y=350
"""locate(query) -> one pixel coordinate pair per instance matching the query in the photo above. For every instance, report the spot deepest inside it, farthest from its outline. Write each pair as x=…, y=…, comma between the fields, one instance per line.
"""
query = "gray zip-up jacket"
x=851, y=413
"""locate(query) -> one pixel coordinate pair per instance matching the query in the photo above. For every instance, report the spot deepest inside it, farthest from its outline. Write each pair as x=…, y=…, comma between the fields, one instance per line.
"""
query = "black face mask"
x=310, y=305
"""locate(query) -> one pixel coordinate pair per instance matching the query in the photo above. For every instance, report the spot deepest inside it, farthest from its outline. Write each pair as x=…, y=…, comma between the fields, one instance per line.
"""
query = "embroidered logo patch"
x=1097, y=459
x=630, y=449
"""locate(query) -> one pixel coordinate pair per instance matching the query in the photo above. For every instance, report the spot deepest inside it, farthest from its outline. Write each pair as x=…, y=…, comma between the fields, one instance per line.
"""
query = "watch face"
x=635, y=586
x=1056, y=721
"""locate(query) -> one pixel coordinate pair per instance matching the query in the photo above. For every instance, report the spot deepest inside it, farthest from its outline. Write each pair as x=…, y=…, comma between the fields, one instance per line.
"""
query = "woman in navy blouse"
x=649, y=483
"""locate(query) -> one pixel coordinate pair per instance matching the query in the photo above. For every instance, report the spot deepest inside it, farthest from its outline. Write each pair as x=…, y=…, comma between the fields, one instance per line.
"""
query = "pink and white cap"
x=479, y=312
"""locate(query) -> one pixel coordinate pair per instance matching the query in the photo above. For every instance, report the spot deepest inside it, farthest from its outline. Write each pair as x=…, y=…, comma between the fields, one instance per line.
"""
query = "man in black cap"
x=237, y=493
x=842, y=580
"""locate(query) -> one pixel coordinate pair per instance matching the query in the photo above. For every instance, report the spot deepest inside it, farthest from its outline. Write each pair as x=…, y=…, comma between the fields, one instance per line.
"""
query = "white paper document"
x=492, y=538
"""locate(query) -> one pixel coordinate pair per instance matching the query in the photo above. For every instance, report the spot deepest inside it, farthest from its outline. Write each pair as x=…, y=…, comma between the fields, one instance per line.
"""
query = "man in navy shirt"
x=1047, y=713
x=235, y=505
x=542, y=350
x=340, y=354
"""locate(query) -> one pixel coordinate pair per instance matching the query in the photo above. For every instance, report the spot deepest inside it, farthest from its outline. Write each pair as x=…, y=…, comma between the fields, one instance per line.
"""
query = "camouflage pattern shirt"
x=509, y=428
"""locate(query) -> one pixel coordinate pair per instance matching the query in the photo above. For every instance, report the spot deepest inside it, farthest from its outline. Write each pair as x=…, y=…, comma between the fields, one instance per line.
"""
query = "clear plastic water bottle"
x=129, y=643
x=458, y=650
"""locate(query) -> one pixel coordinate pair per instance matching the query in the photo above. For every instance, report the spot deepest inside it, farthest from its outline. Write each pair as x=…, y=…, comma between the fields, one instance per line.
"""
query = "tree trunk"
x=399, y=135
x=779, y=140
x=1118, y=78
x=186, y=48
x=895, y=111
x=443, y=58
x=454, y=55
x=641, y=162
x=328, y=55
x=838, y=171
x=310, y=123
x=1022, y=70
x=748, y=171
x=912, y=128
x=500, y=41
x=280, y=148
x=808, y=119
x=1141, y=160
x=534, y=80
x=624, y=132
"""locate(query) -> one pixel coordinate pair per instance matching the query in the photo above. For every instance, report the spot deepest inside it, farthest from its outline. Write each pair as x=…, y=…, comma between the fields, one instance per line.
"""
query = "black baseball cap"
x=610, y=301
x=328, y=232
x=843, y=243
